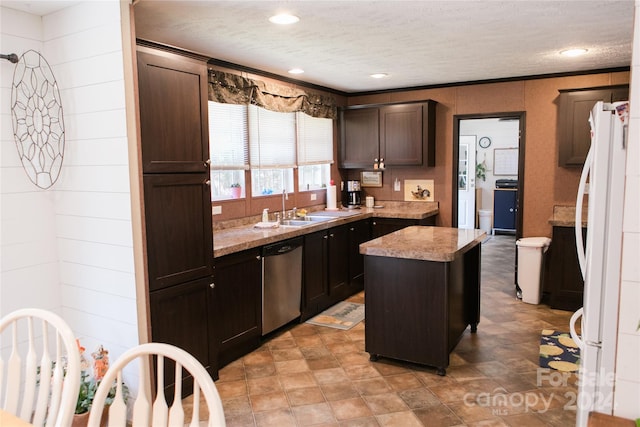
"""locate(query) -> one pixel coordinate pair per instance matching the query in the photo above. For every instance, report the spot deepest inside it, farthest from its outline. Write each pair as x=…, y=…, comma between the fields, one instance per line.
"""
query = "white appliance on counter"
x=600, y=260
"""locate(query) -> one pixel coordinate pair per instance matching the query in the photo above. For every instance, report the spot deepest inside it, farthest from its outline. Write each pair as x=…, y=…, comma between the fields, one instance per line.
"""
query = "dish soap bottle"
x=265, y=215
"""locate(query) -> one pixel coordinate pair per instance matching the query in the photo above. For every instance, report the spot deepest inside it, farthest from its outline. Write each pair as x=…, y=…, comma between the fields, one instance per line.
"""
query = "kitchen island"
x=422, y=290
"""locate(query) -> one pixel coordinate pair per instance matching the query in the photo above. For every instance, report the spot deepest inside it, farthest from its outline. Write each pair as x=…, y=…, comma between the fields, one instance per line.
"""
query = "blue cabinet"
x=504, y=209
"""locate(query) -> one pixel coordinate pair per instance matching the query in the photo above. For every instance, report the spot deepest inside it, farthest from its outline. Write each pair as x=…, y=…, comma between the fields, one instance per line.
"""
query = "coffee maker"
x=351, y=197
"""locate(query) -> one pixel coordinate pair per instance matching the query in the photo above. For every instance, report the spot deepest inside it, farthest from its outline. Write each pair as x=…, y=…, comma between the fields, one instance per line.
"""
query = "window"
x=313, y=177
x=272, y=144
x=228, y=146
x=315, y=151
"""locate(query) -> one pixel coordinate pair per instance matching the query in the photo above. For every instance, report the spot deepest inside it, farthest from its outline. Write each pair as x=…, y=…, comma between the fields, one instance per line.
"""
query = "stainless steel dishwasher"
x=281, y=283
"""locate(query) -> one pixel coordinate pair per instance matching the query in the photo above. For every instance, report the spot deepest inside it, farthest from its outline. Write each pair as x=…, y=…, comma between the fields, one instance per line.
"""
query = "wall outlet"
x=216, y=210
x=313, y=196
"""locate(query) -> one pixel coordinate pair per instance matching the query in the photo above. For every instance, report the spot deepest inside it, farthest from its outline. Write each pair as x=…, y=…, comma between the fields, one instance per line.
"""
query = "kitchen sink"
x=294, y=223
x=304, y=221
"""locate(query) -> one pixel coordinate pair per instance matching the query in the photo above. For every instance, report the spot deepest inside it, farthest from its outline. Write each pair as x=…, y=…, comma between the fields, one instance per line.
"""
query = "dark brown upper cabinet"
x=574, y=132
x=402, y=134
x=173, y=113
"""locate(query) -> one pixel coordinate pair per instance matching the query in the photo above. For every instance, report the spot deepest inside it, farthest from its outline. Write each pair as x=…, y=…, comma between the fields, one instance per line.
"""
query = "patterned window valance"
x=234, y=89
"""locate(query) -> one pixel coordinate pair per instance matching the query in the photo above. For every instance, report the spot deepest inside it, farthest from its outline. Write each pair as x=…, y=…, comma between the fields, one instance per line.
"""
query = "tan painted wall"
x=546, y=184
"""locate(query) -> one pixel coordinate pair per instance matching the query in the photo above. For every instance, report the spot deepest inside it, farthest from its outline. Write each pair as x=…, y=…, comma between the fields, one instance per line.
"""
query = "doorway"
x=498, y=158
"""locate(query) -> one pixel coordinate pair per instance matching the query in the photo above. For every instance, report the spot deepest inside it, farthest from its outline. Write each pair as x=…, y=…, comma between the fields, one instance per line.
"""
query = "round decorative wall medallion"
x=38, y=125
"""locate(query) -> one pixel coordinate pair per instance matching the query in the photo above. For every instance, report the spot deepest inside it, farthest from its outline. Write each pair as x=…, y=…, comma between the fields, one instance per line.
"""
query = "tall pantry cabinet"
x=177, y=201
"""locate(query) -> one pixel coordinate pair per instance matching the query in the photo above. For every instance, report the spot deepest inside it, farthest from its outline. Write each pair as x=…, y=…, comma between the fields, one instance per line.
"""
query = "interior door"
x=467, y=182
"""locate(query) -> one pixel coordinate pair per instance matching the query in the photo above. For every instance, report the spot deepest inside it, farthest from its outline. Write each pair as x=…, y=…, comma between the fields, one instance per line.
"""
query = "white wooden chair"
x=147, y=411
x=34, y=383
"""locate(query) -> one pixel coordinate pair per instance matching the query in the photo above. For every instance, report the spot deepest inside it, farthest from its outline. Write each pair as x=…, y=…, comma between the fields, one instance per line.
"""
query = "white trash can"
x=531, y=252
x=485, y=219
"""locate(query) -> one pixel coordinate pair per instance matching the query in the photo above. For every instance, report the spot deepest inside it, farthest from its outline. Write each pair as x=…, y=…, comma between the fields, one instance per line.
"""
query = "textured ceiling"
x=340, y=43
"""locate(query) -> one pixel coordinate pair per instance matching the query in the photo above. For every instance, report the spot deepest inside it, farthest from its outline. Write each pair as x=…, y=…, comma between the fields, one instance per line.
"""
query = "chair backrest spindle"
x=145, y=407
x=38, y=388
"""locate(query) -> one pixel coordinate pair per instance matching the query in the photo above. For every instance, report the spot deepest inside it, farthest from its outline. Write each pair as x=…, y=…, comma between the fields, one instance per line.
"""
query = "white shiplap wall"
x=627, y=391
x=29, y=275
x=82, y=224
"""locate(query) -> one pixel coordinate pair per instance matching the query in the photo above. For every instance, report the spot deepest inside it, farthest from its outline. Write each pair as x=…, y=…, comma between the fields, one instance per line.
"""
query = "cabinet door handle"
x=331, y=235
x=374, y=223
x=207, y=162
x=258, y=257
x=351, y=229
x=212, y=285
x=208, y=183
x=510, y=209
x=325, y=237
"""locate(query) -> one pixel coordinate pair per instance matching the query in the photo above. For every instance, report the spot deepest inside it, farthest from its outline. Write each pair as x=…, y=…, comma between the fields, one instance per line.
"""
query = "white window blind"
x=228, y=137
x=272, y=139
x=315, y=140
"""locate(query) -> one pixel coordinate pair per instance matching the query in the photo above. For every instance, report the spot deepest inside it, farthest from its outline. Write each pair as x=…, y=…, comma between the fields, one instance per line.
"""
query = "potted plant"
x=481, y=171
x=90, y=377
x=236, y=190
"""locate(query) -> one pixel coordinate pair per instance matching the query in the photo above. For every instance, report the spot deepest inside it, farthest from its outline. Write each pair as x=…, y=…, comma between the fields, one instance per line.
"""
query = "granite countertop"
x=424, y=243
x=245, y=236
x=565, y=216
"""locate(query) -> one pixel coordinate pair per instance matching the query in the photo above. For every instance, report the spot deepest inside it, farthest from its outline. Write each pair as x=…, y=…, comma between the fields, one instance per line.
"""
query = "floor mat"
x=558, y=351
x=344, y=315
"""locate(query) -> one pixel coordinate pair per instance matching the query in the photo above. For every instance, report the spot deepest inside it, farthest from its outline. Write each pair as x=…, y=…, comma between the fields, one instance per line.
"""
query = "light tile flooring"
x=317, y=376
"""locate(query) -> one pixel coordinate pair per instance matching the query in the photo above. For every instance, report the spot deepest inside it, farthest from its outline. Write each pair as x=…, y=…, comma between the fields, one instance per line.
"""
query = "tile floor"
x=317, y=376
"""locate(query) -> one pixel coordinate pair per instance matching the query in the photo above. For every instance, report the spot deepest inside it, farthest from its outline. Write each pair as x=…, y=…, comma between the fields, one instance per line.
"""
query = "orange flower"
x=101, y=363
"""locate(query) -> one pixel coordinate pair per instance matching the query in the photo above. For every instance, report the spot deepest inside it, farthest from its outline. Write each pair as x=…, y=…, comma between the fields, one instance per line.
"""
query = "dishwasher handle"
x=281, y=248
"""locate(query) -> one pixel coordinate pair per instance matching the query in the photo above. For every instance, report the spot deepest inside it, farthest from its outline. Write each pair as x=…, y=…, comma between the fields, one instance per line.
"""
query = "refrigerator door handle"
x=582, y=258
x=572, y=328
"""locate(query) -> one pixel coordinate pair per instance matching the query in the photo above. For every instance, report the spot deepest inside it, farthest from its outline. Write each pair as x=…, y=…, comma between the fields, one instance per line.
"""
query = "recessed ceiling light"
x=379, y=75
x=296, y=71
x=573, y=52
x=284, y=19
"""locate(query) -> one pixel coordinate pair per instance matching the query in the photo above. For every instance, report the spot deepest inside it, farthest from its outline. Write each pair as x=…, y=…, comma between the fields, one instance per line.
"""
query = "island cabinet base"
x=417, y=310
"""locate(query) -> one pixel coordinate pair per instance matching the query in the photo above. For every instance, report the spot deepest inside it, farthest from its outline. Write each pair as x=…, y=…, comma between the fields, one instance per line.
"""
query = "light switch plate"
x=313, y=196
x=396, y=185
x=216, y=210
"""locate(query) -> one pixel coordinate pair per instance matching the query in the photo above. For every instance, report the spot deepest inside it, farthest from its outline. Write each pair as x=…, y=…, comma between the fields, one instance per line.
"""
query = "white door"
x=467, y=181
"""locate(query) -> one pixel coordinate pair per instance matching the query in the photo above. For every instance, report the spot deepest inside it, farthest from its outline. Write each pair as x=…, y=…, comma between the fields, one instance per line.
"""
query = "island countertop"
x=424, y=243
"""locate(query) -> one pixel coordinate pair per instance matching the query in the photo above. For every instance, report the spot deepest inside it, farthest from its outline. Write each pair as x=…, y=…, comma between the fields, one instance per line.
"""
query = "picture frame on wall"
x=371, y=179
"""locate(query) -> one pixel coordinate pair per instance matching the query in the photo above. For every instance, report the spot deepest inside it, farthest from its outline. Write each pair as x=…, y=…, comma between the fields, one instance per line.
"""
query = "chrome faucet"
x=284, y=196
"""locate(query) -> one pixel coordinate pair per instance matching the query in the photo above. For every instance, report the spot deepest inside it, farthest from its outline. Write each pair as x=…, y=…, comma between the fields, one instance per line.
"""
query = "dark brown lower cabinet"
x=325, y=270
x=337, y=254
x=180, y=316
x=563, y=279
x=238, y=304
x=417, y=310
x=359, y=232
x=315, y=289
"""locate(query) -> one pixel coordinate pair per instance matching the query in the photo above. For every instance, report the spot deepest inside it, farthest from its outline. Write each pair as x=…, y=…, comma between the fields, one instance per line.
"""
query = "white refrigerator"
x=600, y=260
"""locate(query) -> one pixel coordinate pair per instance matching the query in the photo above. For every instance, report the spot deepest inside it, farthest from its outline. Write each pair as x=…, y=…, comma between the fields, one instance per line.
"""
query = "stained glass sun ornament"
x=38, y=125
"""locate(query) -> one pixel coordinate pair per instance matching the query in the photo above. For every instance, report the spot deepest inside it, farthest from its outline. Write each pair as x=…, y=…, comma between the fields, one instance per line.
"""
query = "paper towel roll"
x=331, y=197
